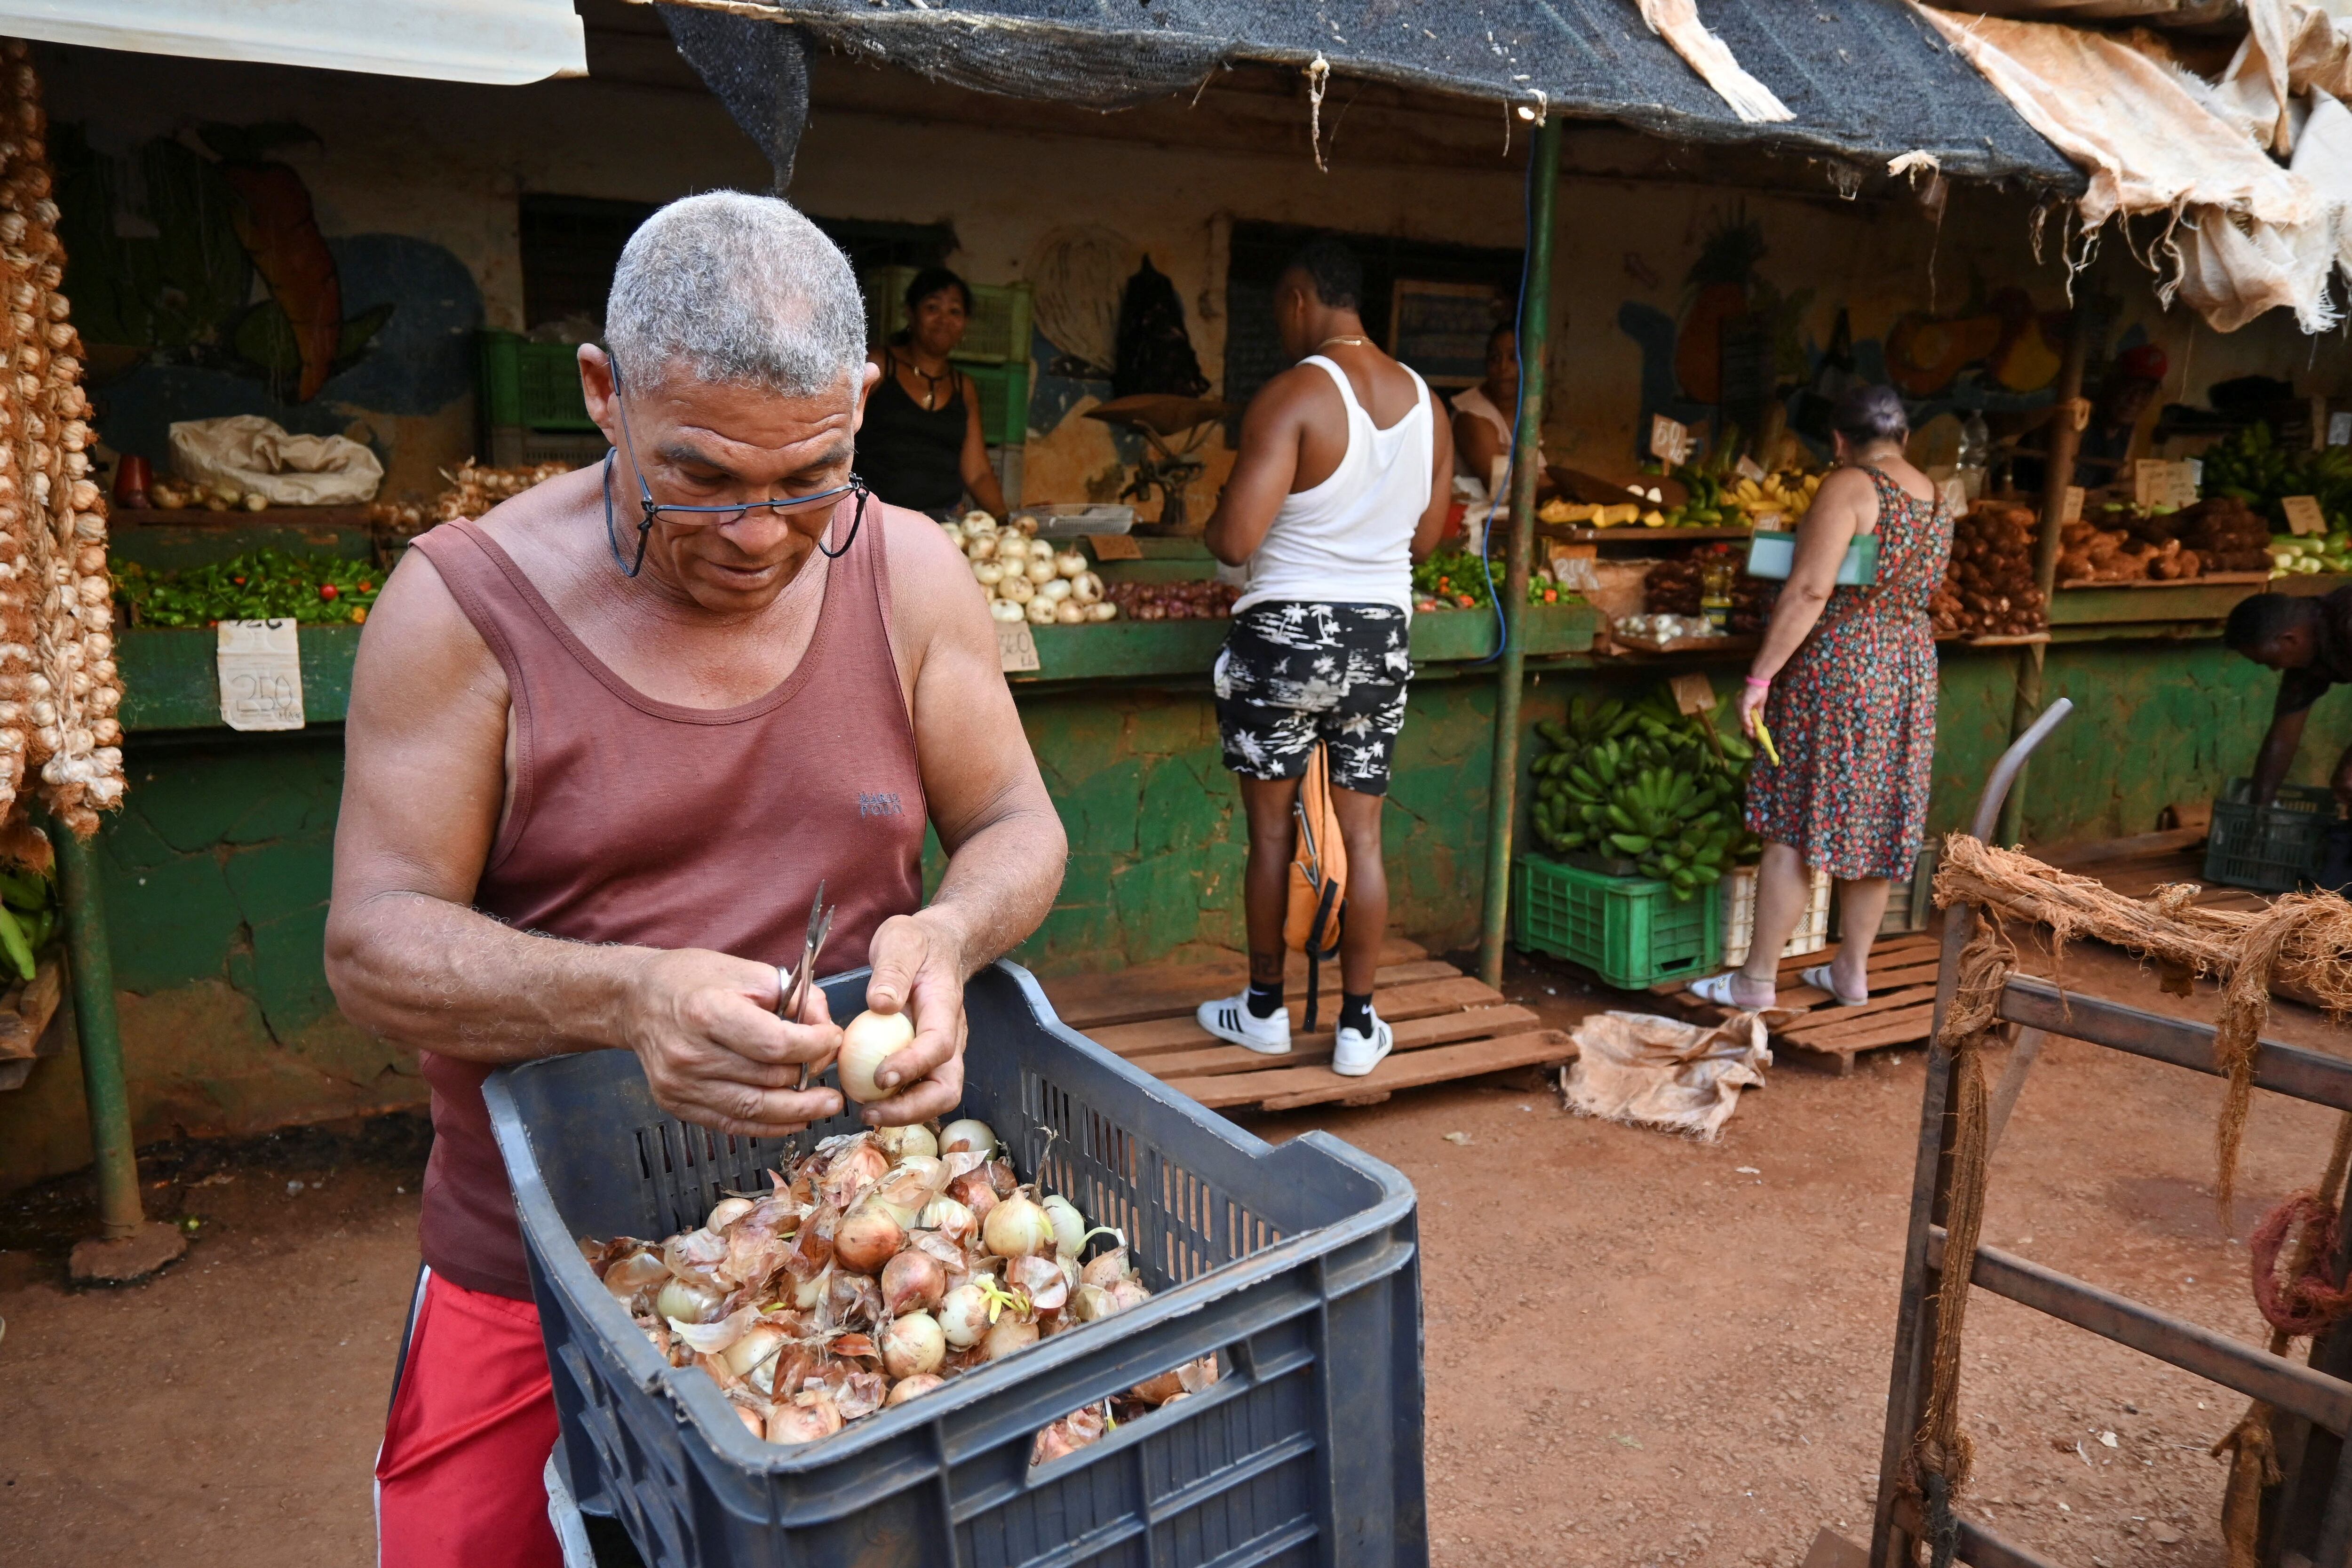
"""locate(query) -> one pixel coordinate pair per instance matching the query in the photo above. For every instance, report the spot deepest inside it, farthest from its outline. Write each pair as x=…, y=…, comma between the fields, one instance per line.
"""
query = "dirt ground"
x=1640, y=1350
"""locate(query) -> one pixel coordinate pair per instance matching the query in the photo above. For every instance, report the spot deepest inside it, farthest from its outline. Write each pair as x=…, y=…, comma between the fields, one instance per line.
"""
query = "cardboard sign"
x=2339, y=429
x=1694, y=693
x=1954, y=493
x=2072, y=511
x=2158, y=483
x=1748, y=468
x=1016, y=649
x=1670, y=440
x=260, y=664
x=1113, y=547
x=2302, y=514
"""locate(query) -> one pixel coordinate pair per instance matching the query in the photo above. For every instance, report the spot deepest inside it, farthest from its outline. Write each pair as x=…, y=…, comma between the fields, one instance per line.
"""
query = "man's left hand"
x=918, y=968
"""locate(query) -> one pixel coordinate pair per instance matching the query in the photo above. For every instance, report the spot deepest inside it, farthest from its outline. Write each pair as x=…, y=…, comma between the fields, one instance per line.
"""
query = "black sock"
x=1265, y=1001
x=1356, y=1012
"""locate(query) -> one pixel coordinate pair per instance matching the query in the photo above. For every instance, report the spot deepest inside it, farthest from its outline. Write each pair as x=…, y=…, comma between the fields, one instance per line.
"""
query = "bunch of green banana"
x=1644, y=783
x=28, y=916
x=2253, y=466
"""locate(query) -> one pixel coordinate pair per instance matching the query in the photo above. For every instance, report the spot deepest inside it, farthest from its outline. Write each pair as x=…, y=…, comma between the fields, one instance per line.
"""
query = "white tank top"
x=1348, y=541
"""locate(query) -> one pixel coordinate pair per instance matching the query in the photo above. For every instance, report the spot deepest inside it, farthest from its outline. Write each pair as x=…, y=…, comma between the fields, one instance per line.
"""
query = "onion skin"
x=726, y=1212
x=914, y=1387
x=868, y=1237
x=903, y=1143
x=913, y=1345
x=689, y=1302
x=808, y=1419
x=867, y=1041
x=1092, y=1303
x=913, y=1281
x=1106, y=1270
x=758, y=1343
x=975, y=1192
x=949, y=1217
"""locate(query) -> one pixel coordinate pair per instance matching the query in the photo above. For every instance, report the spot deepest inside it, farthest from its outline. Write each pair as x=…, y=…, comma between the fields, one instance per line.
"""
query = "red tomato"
x=328, y=591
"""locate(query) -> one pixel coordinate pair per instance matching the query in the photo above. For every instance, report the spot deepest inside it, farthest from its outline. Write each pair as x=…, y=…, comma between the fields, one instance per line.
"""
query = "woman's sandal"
x=1716, y=988
x=1818, y=976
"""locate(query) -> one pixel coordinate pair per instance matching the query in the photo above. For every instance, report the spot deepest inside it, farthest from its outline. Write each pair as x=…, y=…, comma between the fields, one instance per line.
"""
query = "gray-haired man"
x=604, y=744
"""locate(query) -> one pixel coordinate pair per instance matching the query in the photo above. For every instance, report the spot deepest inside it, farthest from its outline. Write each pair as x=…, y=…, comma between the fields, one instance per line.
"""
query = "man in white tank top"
x=1340, y=485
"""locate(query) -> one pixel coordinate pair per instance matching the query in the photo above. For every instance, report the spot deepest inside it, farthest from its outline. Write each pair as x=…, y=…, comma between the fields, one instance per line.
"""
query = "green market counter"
x=218, y=867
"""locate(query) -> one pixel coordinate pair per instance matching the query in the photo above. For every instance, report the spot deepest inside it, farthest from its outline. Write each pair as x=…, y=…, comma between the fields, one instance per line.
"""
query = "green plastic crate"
x=997, y=333
x=535, y=386
x=1631, y=932
x=1003, y=401
x=2271, y=849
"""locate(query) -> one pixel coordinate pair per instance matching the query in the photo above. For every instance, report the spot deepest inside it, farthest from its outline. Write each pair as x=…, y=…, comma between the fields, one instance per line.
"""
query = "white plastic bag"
x=256, y=455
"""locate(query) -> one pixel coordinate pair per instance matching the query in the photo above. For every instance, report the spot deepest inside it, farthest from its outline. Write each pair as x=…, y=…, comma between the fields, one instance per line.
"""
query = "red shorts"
x=461, y=1481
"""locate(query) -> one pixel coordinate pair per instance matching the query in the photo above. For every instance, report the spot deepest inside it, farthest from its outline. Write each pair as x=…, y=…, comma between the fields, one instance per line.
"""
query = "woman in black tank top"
x=920, y=445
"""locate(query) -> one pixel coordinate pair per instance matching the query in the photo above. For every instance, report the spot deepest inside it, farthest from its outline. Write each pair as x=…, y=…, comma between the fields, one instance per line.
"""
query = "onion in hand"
x=868, y=1042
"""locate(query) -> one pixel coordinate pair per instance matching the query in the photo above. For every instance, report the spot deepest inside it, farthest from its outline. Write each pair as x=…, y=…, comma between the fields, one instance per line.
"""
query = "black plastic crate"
x=1298, y=1263
x=2271, y=848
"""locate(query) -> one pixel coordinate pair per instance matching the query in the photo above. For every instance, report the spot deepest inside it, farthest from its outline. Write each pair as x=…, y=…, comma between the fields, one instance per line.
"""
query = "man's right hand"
x=715, y=1053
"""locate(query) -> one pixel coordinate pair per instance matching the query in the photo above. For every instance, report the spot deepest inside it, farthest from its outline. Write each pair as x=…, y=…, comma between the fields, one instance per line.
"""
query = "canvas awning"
x=499, y=42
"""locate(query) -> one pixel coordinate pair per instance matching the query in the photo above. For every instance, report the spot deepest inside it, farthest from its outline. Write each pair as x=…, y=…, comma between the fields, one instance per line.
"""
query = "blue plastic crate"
x=1296, y=1264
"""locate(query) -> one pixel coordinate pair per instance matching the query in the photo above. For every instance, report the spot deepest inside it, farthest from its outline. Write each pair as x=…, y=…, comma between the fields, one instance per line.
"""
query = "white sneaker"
x=1230, y=1019
x=1355, y=1053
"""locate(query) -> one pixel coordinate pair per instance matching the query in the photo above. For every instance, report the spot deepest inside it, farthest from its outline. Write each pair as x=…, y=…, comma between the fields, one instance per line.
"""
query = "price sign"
x=1954, y=493
x=2339, y=429
x=1748, y=468
x=1115, y=547
x=2302, y=514
x=1670, y=440
x=2158, y=483
x=2072, y=511
x=259, y=665
x=1694, y=693
x=1016, y=649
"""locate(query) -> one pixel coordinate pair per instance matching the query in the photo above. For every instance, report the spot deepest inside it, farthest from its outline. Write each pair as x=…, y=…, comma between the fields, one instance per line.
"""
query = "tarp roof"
x=501, y=42
x=1868, y=80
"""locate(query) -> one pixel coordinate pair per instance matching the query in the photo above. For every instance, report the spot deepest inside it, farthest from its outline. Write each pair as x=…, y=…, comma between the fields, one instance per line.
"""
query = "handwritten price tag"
x=1115, y=547
x=260, y=664
x=2072, y=511
x=2302, y=514
x=1670, y=440
x=1694, y=693
x=1016, y=649
x=2158, y=483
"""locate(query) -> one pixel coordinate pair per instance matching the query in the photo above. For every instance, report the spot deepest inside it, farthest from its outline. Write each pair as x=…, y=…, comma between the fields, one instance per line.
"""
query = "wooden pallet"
x=1809, y=1024
x=1448, y=1026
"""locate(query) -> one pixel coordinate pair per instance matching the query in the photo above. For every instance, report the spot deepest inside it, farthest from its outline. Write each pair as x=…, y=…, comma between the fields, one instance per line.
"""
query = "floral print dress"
x=1854, y=714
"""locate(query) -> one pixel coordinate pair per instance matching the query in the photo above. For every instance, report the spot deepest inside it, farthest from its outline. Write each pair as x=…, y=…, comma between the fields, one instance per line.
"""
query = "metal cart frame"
x=2307, y=1521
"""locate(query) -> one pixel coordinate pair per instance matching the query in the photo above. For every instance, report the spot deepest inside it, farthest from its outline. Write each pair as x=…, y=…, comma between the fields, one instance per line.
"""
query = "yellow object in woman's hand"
x=1764, y=738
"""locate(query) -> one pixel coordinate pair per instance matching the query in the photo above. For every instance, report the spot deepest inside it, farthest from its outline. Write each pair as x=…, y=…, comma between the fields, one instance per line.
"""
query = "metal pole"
x=2065, y=441
x=1534, y=329
x=92, y=961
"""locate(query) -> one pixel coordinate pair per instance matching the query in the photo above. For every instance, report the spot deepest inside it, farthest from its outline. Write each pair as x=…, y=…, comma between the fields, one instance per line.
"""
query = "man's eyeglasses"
x=709, y=516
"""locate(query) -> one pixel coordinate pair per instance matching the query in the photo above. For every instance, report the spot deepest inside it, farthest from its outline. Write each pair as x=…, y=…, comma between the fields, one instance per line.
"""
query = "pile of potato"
x=60, y=689
x=1988, y=591
x=1026, y=577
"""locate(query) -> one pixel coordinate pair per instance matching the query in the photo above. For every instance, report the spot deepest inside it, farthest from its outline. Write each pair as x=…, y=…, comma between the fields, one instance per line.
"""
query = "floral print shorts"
x=1292, y=674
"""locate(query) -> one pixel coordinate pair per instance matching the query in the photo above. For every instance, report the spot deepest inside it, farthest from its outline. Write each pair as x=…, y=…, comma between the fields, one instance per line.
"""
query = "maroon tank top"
x=643, y=822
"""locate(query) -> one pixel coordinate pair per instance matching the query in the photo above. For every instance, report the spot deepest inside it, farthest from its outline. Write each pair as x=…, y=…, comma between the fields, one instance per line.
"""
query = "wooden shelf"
x=1569, y=533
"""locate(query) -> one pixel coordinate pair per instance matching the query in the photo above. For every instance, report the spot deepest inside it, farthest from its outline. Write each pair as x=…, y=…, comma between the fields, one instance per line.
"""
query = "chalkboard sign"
x=1440, y=328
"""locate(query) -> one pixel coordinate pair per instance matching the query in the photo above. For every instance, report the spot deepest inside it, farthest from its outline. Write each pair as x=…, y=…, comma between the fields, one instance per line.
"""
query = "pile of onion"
x=1026, y=578
x=879, y=1266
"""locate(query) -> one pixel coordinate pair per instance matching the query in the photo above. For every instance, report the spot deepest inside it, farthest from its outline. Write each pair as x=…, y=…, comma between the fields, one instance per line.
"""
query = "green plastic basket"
x=1631, y=932
x=535, y=386
x=2271, y=848
x=997, y=333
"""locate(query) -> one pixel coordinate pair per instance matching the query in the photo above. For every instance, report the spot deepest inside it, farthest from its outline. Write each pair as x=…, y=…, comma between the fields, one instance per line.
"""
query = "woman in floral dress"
x=1846, y=680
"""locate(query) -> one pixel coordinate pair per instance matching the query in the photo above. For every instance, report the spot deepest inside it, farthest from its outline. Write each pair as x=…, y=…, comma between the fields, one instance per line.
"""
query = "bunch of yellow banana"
x=1789, y=493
